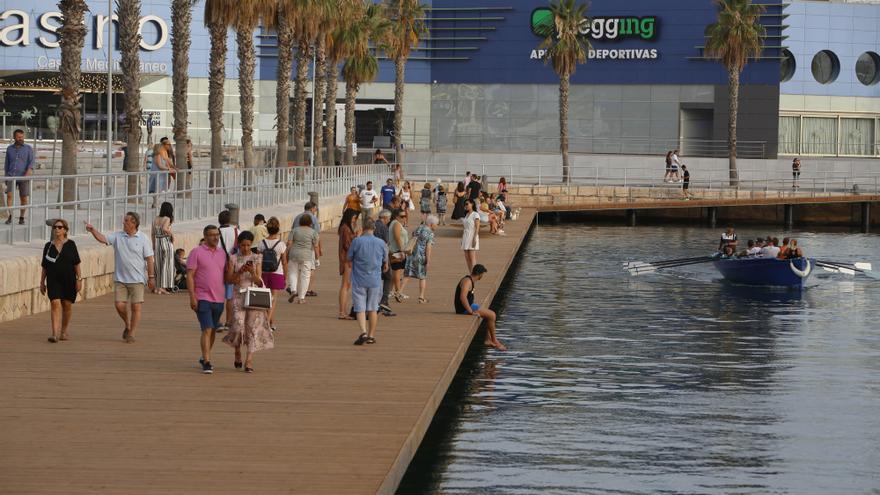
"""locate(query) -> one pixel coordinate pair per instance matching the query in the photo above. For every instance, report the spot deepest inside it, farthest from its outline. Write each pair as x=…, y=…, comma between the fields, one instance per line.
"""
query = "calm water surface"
x=666, y=383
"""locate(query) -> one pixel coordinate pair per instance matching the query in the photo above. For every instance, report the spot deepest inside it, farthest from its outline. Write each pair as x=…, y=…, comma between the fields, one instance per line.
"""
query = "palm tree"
x=129, y=12
x=282, y=92
x=181, y=20
x=407, y=26
x=218, y=15
x=565, y=49
x=736, y=36
x=336, y=51
x=72, y=36
x=245, y=22
x=361, y=64
x=306, y=28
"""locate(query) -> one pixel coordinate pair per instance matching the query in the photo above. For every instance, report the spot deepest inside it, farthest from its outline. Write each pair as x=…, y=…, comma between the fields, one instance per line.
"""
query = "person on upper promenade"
x=133, y=255
x=398, y=174
x=381, y=231
x=310, y=209
x=205, y=273
x=379, y=157
x=728, y=238
x=474, y=187
x=686, y=182
x=795, y=172
x=502, y=186
x=61, y=278
x=668, y=176
x=459, y=196
x=229, y=242
x=367, y=258
x=250, y=327
x=274, y=270
x=19, y=164
x=464, y=305
x=417, y=262
x=352, y=201
x=347, y=232
x=470, y=236
x=467, y=178
x=676, y=164
x=259, y=229
x=304, y=248
x=388, y=192
x=163, y=247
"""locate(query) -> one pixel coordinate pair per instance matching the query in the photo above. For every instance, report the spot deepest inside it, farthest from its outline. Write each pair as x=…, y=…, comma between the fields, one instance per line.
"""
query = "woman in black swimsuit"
x=464, y=305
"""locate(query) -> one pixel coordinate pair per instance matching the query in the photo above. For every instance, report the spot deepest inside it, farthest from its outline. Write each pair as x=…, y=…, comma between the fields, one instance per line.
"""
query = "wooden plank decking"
x=95, y=415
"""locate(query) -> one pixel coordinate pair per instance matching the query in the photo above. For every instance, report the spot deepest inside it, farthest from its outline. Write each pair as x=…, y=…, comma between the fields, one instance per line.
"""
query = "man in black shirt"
x=686, y=176
x=474, y=187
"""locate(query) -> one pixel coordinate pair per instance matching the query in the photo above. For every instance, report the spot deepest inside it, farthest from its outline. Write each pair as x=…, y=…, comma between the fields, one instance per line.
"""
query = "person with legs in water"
x=464, y=305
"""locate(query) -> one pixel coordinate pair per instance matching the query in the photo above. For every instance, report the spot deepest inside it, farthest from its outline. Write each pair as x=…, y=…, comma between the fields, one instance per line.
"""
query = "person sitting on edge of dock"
x=464, y=305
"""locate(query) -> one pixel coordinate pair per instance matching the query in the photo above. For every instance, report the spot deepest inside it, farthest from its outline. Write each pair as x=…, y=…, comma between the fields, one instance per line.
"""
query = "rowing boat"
x=766, y=271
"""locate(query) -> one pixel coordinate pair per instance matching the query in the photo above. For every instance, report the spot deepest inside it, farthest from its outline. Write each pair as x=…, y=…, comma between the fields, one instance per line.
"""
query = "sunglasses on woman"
x=57, y=227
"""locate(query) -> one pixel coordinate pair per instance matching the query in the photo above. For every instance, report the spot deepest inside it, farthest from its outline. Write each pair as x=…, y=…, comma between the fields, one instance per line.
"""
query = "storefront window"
x=856, y=136
x=820, y=136
x=868, y=68
x=787, y=66
x=789, y=135
x=825, y=67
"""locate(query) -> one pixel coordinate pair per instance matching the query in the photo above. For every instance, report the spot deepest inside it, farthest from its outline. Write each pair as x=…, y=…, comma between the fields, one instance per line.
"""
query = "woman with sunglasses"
x=60, y=278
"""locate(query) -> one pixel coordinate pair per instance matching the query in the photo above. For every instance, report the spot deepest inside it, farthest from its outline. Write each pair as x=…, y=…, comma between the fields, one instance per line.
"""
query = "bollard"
x=234, y=209
x=631, y=218
x=866, y=217
x=713, y=216
x=789, y=216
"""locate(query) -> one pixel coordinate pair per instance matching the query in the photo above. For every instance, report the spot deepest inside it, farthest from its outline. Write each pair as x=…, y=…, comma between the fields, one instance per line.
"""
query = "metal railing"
x=711, y=148
x=101, y=199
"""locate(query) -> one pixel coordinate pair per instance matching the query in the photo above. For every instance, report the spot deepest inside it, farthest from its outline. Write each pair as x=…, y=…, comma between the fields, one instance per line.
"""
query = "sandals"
x=370, y=340
x=311, y=293
x=53, y=339
x=248, y=369
x=344, y=317
x=422, y=300
x=237, y=364
x=65, y=336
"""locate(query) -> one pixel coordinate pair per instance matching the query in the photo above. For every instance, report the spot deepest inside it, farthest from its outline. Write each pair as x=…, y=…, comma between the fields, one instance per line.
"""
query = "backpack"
x=270, y=257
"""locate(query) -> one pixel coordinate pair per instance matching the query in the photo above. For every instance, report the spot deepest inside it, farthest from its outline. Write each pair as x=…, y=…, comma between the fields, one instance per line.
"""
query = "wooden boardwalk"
x=319, y=415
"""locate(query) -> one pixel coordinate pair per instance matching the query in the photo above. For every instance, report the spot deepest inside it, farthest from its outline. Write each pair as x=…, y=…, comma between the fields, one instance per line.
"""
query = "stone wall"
x=20, y=290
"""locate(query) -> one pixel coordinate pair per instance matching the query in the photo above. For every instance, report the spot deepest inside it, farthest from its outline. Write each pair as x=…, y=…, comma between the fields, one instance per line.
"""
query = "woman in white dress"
x=406, y=201
x=470, y=237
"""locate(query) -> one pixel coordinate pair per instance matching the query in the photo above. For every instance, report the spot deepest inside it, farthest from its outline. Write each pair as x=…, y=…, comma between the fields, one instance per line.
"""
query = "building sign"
x=603, y=29
x=15, y=30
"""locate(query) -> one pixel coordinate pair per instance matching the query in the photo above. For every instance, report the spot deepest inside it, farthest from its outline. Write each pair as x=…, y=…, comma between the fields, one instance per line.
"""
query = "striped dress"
x=164, y=253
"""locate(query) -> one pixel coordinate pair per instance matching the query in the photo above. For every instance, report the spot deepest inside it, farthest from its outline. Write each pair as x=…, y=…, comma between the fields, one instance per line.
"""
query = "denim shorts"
x=229, y=291
x=366, y=298
x=209, y=314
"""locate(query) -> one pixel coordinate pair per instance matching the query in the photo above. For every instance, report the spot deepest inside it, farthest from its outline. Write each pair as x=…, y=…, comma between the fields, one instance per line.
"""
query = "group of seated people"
x=768, y=247
x=493, y=212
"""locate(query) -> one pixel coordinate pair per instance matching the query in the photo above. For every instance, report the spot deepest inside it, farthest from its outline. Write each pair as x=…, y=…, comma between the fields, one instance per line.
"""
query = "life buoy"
x=801, y=273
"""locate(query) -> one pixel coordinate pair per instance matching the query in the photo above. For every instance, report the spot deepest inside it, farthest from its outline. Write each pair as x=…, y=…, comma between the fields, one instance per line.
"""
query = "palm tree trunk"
x=351, y=91
x=733, y=84
x=282, y=91
x=216, y=82
x=330, y=109
x=399, y=65
x=129, y=12
x=564, y=81
x=247, y=60
x=303, y=57
x=72, y=34
x=181, y=20
x=318, y=102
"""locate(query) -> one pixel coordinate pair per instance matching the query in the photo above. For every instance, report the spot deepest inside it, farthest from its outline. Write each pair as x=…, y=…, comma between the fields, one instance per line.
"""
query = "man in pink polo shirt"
x=205, y=268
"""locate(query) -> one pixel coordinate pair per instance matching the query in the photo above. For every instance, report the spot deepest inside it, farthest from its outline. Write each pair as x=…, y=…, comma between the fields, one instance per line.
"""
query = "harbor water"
x=674, y=382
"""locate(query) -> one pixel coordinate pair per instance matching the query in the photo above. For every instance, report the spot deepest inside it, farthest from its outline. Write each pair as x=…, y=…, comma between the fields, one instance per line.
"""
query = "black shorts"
x=398, y=265
x=685, y=185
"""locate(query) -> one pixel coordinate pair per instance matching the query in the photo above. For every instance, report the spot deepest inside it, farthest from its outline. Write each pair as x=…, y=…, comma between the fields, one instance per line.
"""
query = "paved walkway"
x=95, y=415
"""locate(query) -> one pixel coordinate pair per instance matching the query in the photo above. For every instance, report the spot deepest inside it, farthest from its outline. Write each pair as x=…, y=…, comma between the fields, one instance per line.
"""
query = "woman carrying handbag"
x=250, y=326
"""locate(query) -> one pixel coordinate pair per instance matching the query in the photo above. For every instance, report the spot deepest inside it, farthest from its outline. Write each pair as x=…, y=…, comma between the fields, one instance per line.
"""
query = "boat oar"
x=650, y=267
x=635, y=264
x=849, y=268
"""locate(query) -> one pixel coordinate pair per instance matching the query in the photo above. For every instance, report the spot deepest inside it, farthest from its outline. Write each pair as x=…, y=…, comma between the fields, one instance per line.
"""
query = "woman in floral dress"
x=417, y=262
x=250, y=327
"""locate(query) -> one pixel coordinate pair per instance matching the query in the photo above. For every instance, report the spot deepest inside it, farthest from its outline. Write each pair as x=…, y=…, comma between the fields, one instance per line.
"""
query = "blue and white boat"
x=766, y=271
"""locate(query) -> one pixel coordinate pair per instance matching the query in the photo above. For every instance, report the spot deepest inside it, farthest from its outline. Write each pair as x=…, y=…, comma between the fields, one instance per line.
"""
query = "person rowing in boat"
x=790, y=251
x=728, y=238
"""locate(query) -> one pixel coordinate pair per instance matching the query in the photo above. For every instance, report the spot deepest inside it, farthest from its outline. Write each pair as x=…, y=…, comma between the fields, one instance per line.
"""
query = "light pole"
x=109, y=85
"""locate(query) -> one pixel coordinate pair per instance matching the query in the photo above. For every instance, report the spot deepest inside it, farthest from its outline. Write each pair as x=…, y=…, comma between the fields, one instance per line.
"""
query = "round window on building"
x=826, y=67
x=787, y=66
x=868, y=68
